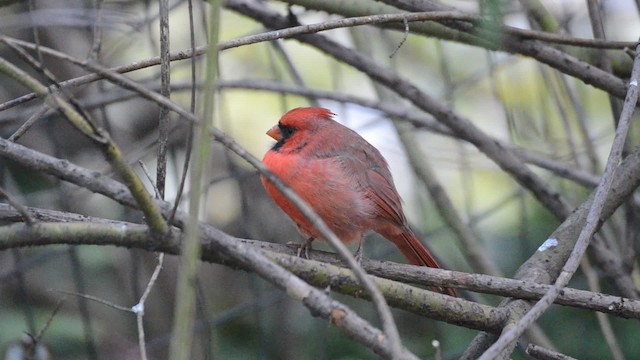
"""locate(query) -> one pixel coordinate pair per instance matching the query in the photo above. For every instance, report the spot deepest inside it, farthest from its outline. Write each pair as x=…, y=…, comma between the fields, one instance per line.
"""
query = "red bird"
x=343, y=178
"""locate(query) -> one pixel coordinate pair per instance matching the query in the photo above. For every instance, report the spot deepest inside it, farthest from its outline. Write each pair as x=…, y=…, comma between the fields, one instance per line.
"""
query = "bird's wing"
x=385, y=196
x=372, y=174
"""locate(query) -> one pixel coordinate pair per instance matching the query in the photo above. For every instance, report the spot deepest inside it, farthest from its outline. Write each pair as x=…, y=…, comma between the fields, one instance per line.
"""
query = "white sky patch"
x=550, y=243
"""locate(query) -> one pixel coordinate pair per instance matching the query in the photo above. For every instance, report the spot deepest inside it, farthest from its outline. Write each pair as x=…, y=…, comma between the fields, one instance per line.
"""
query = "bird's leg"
x=358, y=254
x=305, y=247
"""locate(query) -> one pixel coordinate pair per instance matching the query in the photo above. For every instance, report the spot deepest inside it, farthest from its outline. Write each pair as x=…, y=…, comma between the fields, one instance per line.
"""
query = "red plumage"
x=343, y=178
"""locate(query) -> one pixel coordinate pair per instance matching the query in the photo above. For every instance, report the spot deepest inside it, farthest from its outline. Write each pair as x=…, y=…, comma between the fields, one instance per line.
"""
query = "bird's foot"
x=303, y=249
x=358, y=255
x=359, y=252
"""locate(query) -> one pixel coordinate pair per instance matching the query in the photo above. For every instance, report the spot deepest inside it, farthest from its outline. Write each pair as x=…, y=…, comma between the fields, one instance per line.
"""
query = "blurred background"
x=512, y=98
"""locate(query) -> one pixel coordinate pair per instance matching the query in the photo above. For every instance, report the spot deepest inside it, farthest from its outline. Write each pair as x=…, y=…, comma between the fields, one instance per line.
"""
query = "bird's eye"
x=286, y=131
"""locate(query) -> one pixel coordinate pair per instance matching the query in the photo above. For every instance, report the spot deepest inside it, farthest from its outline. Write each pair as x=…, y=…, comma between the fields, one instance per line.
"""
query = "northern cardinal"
x=343, y=178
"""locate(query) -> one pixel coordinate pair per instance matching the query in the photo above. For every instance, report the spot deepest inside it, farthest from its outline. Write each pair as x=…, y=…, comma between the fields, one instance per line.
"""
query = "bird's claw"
x=358, y=255
x=303, y=249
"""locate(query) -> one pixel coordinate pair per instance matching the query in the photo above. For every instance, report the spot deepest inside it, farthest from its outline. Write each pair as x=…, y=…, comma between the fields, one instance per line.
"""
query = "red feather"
x=344, y=178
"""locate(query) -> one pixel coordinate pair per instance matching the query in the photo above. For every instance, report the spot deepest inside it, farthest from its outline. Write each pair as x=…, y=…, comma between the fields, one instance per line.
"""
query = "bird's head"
x=296, y=126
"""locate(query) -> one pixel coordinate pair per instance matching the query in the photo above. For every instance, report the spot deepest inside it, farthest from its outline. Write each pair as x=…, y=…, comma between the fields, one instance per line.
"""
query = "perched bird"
x=343, y=178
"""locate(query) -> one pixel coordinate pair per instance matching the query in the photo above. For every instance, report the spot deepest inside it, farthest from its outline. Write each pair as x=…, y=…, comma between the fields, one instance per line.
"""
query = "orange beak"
x=275, y=133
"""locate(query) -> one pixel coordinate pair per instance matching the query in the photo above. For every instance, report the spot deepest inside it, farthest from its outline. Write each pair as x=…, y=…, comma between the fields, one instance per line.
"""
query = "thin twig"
x=37, y=115
x=16, y=205
x=94, y=298
x=540, y=353
x=603, y=321
x=192, y=109
x=436, y=345
x=138, y=309
x=404, y=38
x=44, y=328
x=184, y=311
x=164, y=120
x=146, y=173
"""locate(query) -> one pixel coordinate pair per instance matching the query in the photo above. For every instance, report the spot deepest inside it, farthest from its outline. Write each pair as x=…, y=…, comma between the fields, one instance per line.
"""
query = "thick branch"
x=319, y=273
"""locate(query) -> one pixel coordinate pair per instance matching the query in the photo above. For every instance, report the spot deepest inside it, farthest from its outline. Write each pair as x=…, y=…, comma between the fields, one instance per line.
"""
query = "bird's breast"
x=330, y=190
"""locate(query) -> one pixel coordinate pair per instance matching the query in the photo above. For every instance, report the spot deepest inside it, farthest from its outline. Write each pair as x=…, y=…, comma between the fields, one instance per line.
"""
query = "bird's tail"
x=416, y=253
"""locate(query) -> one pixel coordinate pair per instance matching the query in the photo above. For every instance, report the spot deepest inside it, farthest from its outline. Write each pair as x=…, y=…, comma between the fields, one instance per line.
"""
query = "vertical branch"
x=96, y=55
x=81, y=287
x=165, y=90
x=626, y=242
x=186, y=290
x=26, y=216
x=605, y=325
x=597, y=27
x=192, y=109
x=25, y=299
x=138, y=309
